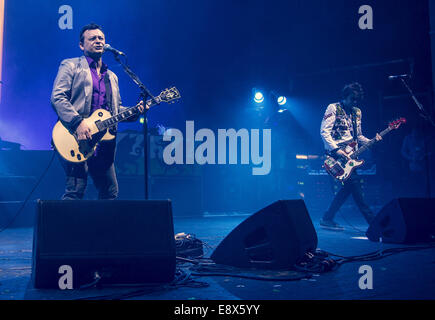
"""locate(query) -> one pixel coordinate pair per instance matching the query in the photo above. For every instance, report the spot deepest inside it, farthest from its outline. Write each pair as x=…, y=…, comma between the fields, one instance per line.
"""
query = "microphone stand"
x=145, y=93
x=426, y=116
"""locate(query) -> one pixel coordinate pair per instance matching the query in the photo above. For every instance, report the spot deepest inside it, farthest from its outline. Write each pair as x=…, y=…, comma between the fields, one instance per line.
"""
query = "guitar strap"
x=108, y=93
x=354, y=125
x=353, y=118
x=109, y=100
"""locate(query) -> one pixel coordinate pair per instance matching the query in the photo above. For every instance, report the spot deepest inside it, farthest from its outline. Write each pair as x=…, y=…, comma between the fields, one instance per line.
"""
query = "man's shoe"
x=330, y=224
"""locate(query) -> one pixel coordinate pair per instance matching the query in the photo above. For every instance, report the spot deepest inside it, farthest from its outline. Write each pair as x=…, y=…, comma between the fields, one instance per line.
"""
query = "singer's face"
x=93, y=42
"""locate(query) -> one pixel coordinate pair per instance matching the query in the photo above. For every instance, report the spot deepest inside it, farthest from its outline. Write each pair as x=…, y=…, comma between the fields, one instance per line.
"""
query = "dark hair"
x=91, y=26
x=354, y=89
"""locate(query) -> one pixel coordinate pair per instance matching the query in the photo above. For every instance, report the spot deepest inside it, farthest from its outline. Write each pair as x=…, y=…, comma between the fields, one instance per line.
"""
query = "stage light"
x=258, y=97
x=141, y=120
x=301, y=157
x=281, y=100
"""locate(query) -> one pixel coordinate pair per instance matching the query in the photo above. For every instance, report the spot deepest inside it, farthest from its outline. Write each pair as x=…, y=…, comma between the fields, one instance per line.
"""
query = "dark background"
x=216, y=53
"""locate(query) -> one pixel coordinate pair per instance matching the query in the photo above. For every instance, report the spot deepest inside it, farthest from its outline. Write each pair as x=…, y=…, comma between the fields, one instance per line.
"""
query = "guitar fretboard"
x=124, y=115
x=369, y=144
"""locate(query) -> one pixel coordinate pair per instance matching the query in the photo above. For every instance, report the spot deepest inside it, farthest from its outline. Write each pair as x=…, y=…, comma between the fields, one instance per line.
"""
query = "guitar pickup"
x=98, y=125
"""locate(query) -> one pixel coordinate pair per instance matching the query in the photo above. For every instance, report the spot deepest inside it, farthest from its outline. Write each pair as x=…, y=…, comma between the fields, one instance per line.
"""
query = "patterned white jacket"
x=336, y=129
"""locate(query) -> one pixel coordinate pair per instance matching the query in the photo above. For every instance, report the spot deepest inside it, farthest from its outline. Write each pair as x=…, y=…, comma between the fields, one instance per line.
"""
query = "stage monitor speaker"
x=124, y=241
x=275, y=237
x=404, y=220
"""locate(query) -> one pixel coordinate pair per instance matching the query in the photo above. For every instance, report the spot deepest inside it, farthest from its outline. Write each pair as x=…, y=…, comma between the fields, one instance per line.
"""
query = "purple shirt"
x=99, y=100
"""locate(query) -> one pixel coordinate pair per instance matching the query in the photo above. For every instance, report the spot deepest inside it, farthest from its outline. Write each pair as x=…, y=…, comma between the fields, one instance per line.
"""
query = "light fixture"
x=258, y=97
x=281, y=100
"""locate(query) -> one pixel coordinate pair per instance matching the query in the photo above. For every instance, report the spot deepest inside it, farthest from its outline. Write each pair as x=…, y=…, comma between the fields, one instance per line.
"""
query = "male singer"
x=83, y=85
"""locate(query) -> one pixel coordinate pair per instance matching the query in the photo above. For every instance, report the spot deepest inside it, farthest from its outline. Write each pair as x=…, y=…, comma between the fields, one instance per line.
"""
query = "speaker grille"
x=126, y=241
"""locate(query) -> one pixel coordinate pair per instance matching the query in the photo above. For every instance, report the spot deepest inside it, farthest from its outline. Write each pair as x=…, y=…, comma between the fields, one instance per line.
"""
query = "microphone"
x=107, y=47
x=400, y=76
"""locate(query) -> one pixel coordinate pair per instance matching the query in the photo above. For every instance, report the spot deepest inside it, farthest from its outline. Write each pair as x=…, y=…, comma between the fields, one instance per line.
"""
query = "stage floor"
x=405, y=275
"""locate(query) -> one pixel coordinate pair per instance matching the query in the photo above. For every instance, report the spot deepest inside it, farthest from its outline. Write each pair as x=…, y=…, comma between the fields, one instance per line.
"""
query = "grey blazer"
x=72, y=92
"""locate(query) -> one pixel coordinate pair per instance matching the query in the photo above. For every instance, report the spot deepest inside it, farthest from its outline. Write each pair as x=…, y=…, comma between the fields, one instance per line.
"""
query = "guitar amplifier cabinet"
x=124, y=241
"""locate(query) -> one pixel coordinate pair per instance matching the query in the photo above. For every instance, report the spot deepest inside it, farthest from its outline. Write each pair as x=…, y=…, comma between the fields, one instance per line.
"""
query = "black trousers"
x=350, y=186
x=100, y=167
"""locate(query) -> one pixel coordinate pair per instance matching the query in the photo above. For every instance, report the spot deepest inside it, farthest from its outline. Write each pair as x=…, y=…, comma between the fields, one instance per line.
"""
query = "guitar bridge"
x=333, y=167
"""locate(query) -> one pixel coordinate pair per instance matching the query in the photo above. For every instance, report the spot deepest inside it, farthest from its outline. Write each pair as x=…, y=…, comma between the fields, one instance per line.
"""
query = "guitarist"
x=340, y=125
x=83, y=85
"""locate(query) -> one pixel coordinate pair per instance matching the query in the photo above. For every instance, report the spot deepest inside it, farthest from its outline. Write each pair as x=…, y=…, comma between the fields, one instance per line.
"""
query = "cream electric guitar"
x=100, y=121
x=341, y=168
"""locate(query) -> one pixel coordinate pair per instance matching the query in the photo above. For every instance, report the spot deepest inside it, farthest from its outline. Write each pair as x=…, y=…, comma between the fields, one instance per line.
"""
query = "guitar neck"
x=369, y=144
x=126, y=114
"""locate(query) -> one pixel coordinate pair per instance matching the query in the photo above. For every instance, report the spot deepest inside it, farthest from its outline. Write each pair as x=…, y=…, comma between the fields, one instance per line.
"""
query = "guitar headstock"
x=169, y=95
x=395, y=124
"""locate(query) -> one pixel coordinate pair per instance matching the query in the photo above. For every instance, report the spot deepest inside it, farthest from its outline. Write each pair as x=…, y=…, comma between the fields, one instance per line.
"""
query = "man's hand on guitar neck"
x=83, y=131
x=141, y=108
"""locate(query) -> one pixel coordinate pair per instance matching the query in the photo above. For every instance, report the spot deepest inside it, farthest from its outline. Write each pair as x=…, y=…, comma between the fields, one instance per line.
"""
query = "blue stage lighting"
x=258, y=97
x=281, y=100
